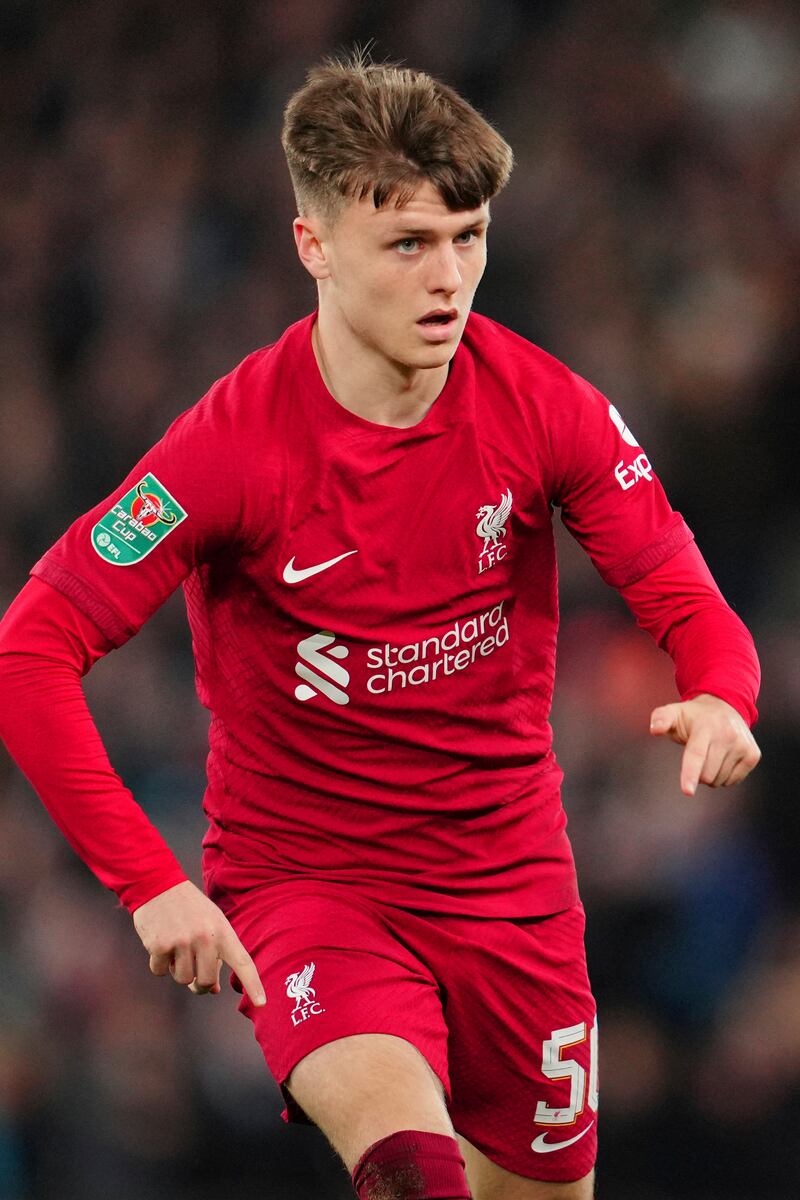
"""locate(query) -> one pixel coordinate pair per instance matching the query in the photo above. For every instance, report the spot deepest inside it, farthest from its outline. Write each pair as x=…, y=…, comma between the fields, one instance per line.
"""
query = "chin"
x=430, y=357
x=443, y=356
x=444, y=350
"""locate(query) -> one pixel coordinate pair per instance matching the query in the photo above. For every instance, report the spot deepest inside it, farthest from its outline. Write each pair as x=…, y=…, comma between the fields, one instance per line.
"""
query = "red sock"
x=412, y=1165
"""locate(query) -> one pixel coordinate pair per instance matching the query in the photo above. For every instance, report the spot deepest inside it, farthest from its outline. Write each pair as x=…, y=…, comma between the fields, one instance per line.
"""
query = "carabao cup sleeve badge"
x=137, y=523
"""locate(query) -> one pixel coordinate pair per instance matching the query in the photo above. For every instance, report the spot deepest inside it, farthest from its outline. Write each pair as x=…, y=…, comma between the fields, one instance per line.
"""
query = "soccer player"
x=360, y=516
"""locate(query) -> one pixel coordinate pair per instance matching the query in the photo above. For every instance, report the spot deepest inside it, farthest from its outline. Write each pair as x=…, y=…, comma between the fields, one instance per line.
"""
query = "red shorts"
x=500, y=1008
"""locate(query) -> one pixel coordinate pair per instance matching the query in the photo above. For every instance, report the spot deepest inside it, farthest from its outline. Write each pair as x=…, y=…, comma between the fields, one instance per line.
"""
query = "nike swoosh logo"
x=542, y=1146
x=292, y=575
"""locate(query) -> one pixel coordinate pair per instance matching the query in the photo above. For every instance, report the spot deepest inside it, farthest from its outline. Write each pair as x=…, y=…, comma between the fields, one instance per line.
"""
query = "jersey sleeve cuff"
x=133, y=896
x=746, y=710
x=84, y=598
x=669, y=542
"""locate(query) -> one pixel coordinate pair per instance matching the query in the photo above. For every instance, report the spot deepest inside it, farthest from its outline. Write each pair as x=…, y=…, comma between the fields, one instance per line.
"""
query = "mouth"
x=439, y=316
x=438, y=325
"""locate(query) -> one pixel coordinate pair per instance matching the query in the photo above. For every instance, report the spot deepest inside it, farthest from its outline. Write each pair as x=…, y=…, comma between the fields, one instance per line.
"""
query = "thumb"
x=664, y=719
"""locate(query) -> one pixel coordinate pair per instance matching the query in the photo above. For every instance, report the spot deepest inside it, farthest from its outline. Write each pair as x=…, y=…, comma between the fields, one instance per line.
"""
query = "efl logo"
x=318, y=670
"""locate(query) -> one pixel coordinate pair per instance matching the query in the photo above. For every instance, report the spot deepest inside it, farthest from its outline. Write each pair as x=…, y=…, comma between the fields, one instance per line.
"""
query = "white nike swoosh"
x=292, y=575
x=542, y=1146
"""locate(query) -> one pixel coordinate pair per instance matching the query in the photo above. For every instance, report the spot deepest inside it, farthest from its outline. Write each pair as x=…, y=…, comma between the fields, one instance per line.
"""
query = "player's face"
x=390, y=269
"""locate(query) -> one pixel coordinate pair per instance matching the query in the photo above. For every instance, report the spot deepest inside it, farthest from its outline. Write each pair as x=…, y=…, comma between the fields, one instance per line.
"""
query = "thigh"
x=333, y=971
x=523, y=1046
x=363, y=1088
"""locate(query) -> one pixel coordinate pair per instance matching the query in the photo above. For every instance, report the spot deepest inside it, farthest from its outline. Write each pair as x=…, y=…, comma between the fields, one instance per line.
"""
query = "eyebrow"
x=420, y=232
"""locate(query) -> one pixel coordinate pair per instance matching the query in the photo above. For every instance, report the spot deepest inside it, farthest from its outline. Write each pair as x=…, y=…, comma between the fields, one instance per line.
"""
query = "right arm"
x=46, y=645
x=180, y=505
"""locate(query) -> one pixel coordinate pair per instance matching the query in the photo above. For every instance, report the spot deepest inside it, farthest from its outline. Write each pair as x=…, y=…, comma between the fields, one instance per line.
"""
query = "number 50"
x=555, y=1067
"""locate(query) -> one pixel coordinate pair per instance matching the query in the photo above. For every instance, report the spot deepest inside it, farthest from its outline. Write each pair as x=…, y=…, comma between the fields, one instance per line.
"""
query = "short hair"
x=358, y=128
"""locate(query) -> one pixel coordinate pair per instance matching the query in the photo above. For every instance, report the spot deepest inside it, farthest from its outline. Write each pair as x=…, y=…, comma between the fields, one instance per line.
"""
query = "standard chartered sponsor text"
x=394, y=667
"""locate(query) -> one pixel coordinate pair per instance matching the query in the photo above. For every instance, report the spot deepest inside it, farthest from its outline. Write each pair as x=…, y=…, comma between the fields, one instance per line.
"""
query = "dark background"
x=649, y=237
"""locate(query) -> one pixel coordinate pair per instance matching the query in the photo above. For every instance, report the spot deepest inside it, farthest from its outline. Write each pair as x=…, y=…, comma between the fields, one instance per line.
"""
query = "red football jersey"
x=374, y=613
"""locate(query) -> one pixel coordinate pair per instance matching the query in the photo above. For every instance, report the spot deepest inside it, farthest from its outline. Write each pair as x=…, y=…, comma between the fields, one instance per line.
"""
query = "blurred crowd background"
x=650, y=237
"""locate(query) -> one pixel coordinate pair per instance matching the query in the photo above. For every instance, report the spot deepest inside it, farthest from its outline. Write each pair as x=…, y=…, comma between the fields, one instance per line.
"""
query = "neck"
x=366, y=383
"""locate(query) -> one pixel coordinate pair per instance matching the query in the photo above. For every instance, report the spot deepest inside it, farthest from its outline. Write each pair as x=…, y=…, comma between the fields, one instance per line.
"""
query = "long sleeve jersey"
x=374, y=618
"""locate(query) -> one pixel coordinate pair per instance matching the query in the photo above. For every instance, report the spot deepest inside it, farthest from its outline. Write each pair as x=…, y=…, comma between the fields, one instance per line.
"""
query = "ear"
x=308, y=235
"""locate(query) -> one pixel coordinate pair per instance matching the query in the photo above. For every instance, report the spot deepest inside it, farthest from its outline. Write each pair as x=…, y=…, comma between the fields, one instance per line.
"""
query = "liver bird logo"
x=492, y=520
x=297, y=986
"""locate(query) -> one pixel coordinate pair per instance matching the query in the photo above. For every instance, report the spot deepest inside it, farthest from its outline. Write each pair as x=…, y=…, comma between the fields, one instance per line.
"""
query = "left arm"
x=716, y=670
x=613, y=503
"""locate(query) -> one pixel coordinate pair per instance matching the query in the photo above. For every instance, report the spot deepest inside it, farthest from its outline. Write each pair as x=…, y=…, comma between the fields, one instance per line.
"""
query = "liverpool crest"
x=299, y=989
x=492, y=521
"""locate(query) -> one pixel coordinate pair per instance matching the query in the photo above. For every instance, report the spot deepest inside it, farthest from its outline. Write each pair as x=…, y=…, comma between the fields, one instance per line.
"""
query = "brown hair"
x=359, y=128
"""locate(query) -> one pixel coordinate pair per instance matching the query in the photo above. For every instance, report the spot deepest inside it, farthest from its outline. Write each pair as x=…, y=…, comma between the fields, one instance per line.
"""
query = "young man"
x=360, y=515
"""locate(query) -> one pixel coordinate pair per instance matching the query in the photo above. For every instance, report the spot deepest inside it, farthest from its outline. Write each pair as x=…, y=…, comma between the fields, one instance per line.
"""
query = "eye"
x=407, y=245
x=472, y=234
x=413, y=241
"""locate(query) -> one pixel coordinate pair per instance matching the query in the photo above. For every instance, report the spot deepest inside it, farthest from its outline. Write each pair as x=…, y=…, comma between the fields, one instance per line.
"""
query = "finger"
x=160, y=963
x=235, y=955
x=726, y=768
x=744, y=753
x=182, y=968
x=664, y=720
x=750, y=759
x=212, y=989
x=715, y=757
x=207, y=968
x=694, y=757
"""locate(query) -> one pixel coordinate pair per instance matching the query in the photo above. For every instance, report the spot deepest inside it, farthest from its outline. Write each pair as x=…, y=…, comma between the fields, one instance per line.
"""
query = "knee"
x=412, y=1165
x=362, y=1089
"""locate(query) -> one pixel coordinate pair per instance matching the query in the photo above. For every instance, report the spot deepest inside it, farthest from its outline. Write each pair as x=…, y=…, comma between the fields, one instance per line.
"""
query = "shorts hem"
x=548, y=1172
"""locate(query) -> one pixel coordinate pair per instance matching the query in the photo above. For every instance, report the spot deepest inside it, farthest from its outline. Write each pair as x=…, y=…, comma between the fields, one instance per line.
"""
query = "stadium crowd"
x=650, y=237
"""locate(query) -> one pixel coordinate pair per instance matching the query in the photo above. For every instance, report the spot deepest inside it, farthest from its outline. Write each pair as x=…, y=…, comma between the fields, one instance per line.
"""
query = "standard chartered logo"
x=455, y=649
x=390, y=668
x=320, y=672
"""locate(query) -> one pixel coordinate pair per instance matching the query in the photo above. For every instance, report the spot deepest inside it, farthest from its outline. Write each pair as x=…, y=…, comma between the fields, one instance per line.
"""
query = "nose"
x=444, y=273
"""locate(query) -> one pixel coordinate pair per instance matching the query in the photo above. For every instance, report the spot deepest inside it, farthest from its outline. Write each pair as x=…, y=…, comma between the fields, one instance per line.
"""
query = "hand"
x=186, y=935
x=720, y=749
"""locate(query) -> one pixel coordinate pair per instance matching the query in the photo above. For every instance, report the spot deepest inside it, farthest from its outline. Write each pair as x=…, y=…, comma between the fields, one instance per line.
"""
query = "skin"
x=343, y=1088
x=720, y=749
x=375, y=279
x=378, y=272
x=188, y=937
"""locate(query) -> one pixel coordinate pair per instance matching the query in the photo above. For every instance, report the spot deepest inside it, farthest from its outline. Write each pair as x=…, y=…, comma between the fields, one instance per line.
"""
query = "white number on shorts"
x=555, y=1067
x=593, y=1097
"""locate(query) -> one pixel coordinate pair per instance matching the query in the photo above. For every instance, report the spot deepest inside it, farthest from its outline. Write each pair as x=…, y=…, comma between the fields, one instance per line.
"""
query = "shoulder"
x=239, y=403
x=500, y=350
x=248, y=385
x=522, y=369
